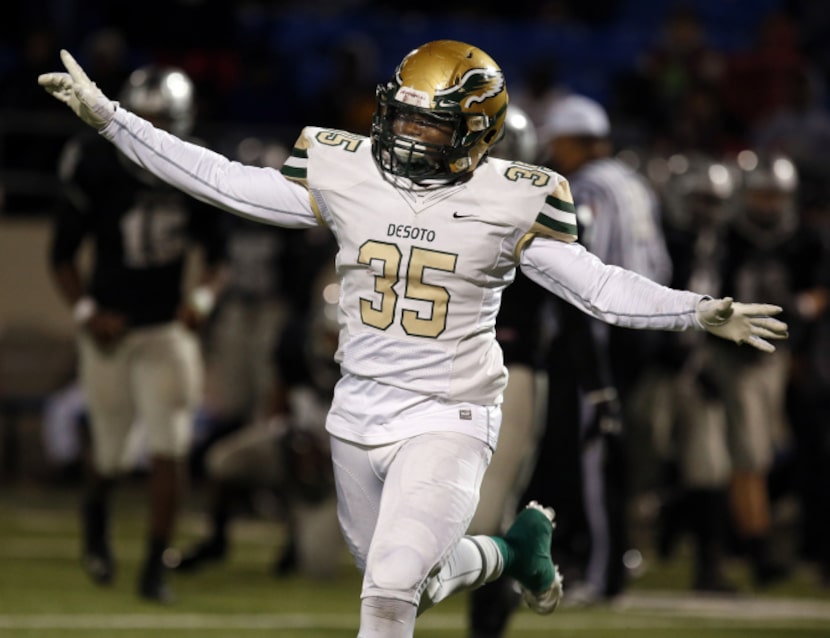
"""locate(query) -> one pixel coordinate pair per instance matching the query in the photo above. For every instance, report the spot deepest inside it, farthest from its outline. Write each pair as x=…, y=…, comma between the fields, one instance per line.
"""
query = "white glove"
x=750, y=323
x=79, y=92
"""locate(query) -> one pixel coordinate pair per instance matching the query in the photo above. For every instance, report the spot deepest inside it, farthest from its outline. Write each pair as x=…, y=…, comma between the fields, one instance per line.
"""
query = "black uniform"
x=142, y=230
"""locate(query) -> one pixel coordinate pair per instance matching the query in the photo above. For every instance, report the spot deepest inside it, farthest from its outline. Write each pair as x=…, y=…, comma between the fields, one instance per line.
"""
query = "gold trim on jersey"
x=562, y=192
x=315, y=207
x=540, y=231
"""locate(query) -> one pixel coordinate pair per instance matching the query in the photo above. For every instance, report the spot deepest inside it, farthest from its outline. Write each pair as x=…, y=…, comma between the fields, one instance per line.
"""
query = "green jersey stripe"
x=294, y=172
x=557, y=225
x=558, y=215
x=561, y=204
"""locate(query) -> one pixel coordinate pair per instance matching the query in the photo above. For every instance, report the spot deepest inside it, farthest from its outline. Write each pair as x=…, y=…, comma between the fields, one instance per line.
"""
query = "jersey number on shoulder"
x=520, y=170
x=349, y=141
x=381, y=314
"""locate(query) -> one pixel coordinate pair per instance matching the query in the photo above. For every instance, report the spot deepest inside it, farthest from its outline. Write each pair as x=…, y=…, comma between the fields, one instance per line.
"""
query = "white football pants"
x=404, y=507
x=153, y=376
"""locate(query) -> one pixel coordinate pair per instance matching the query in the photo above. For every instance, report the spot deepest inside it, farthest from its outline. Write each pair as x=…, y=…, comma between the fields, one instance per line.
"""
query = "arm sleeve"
x=258, y=193
x=614, y=295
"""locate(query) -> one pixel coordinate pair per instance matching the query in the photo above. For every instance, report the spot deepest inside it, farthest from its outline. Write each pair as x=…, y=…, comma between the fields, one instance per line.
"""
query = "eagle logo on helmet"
x=476, y=85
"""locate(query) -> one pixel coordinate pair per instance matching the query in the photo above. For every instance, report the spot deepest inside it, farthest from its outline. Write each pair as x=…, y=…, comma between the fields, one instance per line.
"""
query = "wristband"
x=83, y=310
x=202, y=299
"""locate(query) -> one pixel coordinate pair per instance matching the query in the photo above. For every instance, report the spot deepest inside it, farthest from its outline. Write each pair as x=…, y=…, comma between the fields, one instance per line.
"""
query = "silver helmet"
x=520, y=140
x=698, y=191
x=766, y=208
x=164, y=95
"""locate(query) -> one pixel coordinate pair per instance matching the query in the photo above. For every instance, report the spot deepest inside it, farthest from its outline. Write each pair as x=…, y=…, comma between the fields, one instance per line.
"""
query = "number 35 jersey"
x=422, y=270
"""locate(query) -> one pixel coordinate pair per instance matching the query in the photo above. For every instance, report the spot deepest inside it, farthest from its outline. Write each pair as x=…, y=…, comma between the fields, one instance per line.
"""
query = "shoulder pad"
x=557, y=219
x=313, y=139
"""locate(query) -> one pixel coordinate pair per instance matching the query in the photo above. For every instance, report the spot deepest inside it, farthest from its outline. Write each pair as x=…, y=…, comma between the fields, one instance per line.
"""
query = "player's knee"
x=399, y=572
x=173, y=440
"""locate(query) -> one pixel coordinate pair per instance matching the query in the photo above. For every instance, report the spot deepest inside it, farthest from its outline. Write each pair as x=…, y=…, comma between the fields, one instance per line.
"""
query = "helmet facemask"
x=414, y=157
x=447, y=86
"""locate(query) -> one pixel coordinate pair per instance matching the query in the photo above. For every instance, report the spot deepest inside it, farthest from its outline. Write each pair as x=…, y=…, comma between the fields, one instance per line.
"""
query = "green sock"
x=506, y=552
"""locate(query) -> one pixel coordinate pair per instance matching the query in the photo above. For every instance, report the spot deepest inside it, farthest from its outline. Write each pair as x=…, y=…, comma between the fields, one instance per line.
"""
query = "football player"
x=429, y=232
x=698, y=199
x=287, y=452
x=139, y=355
x=768, y=251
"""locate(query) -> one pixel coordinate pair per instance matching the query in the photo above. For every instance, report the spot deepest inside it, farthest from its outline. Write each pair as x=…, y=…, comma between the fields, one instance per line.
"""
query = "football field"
x=44, y=593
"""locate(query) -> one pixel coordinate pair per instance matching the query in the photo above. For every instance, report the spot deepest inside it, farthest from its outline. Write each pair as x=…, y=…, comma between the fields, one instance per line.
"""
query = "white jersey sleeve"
x=609, y=293
x=258, y=193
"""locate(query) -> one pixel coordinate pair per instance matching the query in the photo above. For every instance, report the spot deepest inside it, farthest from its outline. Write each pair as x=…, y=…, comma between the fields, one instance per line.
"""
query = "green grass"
x=43, y=592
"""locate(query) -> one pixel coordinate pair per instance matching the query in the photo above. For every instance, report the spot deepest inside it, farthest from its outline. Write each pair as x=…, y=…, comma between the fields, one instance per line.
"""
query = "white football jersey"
x=422, y=270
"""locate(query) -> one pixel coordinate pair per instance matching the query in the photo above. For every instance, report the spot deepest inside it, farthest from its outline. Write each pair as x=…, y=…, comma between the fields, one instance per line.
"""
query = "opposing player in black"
x=140, y=361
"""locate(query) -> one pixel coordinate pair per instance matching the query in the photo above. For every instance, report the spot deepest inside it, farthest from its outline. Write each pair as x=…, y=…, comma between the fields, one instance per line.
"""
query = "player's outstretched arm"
x=76, y=90
x=624, y=298
x=258, y=193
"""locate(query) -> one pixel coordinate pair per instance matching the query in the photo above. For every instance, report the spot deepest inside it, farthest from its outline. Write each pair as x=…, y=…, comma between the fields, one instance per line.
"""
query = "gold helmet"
x=450, y=83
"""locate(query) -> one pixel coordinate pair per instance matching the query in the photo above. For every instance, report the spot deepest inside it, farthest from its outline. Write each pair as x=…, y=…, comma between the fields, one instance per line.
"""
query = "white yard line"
x=634, y=611
x=738, y=608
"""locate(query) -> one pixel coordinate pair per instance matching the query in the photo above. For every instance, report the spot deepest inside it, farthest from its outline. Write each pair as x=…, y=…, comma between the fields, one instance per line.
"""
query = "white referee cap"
x=575, y=115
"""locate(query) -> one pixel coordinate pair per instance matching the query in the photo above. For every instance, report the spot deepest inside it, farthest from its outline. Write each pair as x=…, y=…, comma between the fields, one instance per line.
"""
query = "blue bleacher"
x=586, y=58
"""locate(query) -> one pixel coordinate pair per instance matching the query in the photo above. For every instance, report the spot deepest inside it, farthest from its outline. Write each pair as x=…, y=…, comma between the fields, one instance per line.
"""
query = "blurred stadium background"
x=262, y=71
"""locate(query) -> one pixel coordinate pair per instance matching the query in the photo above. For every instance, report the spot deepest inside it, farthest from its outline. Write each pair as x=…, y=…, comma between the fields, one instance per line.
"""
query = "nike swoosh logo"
x=456, y=215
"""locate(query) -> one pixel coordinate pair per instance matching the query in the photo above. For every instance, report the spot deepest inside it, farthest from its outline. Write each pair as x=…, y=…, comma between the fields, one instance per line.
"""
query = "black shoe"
x=209, y=551
x=670, y=526
x=287, y=563
x=769, y=573
x=153, y=586
x=98, y=565
x=96, y=557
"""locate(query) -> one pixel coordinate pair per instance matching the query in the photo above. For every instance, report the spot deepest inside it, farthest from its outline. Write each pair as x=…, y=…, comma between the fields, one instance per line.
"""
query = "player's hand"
x=751, y=323
x=190, y=317
x=80, y=93
x=194, y=310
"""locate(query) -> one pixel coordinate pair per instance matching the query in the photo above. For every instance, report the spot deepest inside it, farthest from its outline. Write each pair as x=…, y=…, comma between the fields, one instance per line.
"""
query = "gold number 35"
x=381, y=314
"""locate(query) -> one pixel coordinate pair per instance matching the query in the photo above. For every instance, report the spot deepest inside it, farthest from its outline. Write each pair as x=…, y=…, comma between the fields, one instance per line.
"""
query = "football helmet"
x=520, y=140
x=452, y=86
x=766, y=208
x=164, y=95
x=698, y=191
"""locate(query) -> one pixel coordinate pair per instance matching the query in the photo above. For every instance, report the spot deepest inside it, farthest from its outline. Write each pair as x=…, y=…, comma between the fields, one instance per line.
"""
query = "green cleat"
x=528, y=560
